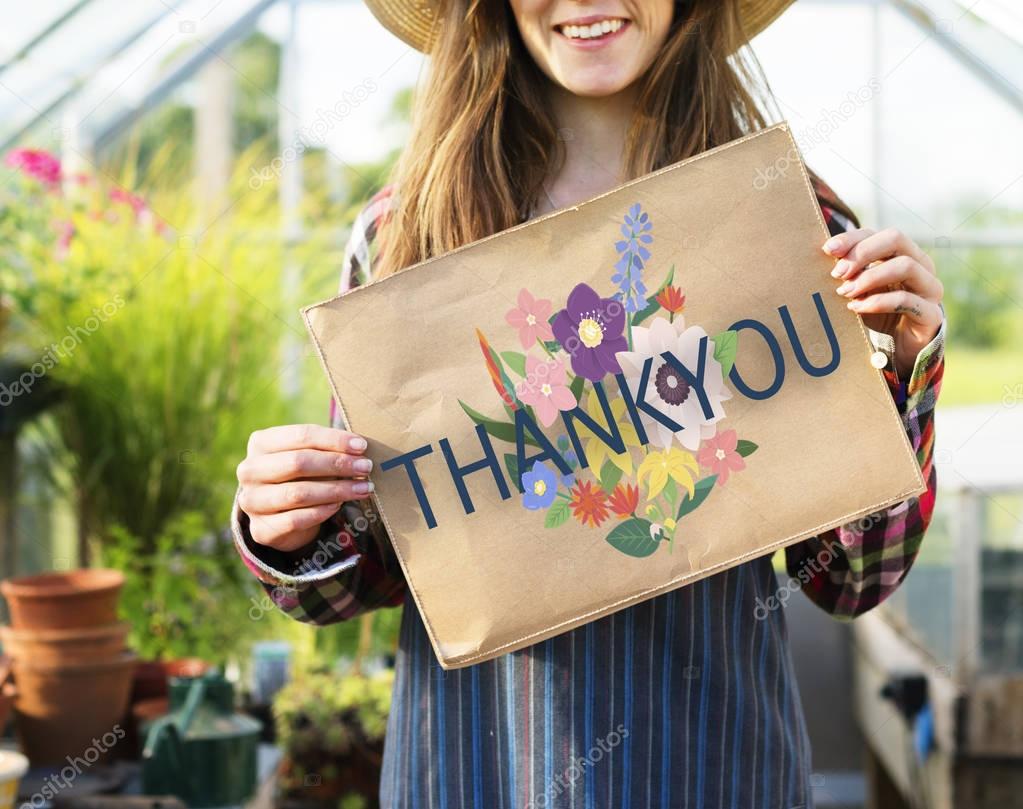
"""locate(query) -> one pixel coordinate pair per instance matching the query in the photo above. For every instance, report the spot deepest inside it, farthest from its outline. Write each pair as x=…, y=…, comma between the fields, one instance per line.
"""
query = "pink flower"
x=530, y=318
x=135, y=202
x=35, y=163
x=718, y=454
x=545, y=390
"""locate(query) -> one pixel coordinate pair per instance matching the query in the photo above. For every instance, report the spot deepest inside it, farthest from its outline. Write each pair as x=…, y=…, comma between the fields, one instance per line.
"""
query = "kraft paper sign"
x=615, y=400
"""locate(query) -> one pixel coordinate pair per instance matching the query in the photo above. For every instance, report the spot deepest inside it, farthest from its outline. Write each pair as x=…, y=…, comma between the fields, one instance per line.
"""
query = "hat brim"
x=413, y=21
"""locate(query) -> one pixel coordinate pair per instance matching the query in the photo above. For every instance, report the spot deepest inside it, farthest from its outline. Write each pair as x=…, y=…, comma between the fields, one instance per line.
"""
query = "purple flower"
x=590, y=329
x=632, y=258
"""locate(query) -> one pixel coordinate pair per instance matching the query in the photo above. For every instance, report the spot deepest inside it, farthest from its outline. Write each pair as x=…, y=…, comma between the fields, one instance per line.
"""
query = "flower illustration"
x=633, y=255
x=667, y=390
x=36, y=163
x=590, y=329
x=658, y=467
x=545, y=389
x=530, y=317
x=624, y=500
x=540, y=487
x=719, y=455
x=589, y=503
x=596, y=450
x=671, y=299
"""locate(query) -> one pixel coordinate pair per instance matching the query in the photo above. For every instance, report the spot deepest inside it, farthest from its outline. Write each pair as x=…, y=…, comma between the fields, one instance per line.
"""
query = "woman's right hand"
x=296, y=477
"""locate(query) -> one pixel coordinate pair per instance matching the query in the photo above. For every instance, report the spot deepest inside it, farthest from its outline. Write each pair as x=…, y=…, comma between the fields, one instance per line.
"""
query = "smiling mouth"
x=601, y=28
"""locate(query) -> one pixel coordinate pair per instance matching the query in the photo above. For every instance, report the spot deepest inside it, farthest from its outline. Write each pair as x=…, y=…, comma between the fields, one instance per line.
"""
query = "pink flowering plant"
x=639, y=443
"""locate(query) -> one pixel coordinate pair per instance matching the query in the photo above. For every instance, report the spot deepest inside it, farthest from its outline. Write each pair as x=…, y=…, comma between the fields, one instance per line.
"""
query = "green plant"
x=333, y=728
x=187, y=598
x=164, y=324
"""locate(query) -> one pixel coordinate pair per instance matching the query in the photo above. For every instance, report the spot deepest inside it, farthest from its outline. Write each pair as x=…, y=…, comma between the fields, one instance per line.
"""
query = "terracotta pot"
x=59, y=646
x=77, y=598
x=72, y=710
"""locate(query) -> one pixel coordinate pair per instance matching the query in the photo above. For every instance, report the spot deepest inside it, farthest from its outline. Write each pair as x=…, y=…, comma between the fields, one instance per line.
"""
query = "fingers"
x=858, y=249
x=278, y=467
x=273, y=498
x=289, y=530
x=902, y=302
x=305, y=436
x=901, y=270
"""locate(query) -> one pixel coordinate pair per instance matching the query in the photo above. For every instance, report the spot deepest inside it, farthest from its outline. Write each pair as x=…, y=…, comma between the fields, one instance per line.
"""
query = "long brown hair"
x=484, y=136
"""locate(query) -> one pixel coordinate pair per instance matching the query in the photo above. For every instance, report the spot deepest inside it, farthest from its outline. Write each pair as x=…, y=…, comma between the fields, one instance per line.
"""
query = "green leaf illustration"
x=700, y=493
x=670, y=492
x=725, y=345
x=499, y=429
x=511, y=463
x=746, y=448
x=516, y=361
x=609, y=476
x=653, y=305
x=557, y=514
x=632, y=538
x=577, y=387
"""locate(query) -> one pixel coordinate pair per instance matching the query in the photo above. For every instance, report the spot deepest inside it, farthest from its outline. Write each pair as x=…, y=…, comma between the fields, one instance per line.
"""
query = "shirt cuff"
x=330, y=552
x=884, y=343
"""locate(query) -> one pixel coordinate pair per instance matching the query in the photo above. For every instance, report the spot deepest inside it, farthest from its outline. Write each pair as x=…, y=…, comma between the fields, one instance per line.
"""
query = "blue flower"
x=540, y=487
x=632, y=259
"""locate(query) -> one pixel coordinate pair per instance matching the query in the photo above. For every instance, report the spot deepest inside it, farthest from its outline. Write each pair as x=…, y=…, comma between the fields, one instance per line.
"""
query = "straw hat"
x=412, y=20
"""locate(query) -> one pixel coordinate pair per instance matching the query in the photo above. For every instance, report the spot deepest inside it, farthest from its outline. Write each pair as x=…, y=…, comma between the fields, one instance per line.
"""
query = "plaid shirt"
x=519, y=730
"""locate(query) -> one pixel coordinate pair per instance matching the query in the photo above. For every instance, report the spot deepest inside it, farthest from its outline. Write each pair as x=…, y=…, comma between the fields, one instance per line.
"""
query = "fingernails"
x=845, y=288
x=357, y=443
x=854, y=305
x=363, y=487
x=840, y=269
x=832, y=244
x=362, y=465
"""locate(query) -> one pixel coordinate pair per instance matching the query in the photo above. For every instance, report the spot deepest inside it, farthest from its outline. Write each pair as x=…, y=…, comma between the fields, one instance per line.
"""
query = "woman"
x=688, y=699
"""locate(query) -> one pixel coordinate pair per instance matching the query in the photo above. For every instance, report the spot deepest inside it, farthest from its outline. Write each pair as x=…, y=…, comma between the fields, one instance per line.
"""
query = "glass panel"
x=1002, y=584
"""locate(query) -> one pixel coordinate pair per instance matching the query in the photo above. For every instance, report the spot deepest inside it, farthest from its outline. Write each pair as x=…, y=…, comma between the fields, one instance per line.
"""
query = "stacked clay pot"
x=72, y=670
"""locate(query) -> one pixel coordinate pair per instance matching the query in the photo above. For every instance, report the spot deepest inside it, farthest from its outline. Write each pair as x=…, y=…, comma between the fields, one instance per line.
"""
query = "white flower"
x=667, y=391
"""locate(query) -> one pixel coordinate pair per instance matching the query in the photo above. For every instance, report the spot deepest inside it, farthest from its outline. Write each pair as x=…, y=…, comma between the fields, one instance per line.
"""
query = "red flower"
x=589, y=504
x=671, y=299
x=624, y=500
x=37, y=164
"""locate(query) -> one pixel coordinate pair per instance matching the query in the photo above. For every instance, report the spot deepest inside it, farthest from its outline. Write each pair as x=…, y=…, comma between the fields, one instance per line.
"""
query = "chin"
x=596, y=86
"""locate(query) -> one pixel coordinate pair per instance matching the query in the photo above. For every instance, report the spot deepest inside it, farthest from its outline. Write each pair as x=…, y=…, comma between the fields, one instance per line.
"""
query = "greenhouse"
x=182, y=177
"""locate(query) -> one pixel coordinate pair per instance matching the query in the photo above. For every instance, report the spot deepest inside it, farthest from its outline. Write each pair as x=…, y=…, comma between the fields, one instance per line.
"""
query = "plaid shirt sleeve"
x=853, y=568
x=350, y=567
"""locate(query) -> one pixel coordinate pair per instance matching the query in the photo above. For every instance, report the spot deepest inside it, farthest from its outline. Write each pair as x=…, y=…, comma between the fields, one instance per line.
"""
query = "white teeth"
x=597, y=29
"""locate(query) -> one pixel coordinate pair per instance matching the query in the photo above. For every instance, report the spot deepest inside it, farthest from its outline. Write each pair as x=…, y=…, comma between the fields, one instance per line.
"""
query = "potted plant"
x=331, y=731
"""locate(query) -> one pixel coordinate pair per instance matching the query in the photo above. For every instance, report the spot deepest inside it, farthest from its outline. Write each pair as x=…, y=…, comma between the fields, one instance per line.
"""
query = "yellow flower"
x=596, y=450
x=674, y=463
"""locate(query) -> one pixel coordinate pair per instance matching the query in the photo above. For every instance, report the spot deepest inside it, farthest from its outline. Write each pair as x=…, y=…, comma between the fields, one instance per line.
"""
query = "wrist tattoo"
x=913, y=310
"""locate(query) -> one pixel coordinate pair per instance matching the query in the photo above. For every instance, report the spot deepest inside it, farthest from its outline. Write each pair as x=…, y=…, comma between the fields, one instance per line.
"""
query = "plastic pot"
x=72, y=710
x=60, y=646
x=68, y=600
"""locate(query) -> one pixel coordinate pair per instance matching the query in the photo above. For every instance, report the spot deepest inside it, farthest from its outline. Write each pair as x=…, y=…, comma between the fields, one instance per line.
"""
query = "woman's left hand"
x=892, y=283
